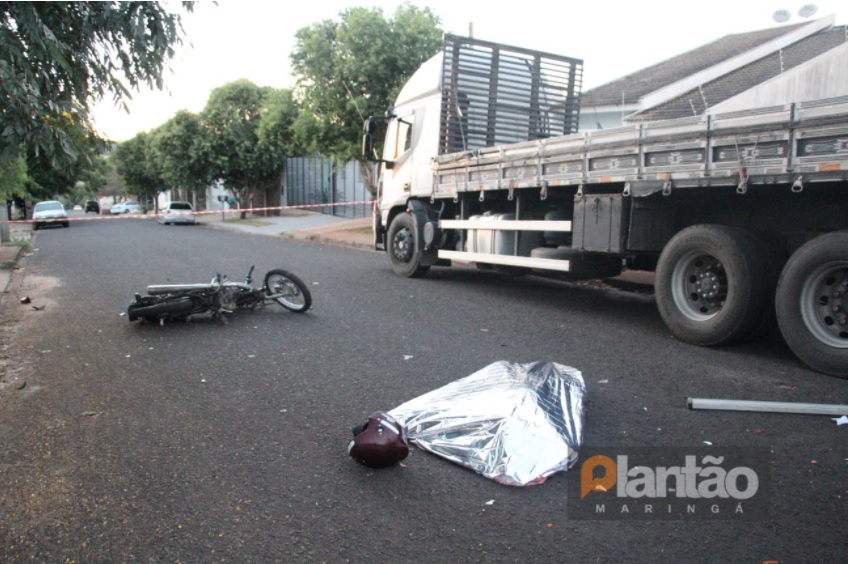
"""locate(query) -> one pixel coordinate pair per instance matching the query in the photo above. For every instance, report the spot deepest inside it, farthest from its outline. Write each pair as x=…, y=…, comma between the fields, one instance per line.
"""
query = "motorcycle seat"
x=159, y=289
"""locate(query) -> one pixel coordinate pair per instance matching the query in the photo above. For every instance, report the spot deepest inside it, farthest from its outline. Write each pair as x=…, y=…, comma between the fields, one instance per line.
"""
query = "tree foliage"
x=279, y=112
x=46, y=182
x=182, y=146
x=137, y=161
x=89, y=182
x=241, y=138
x=353, y=68
x=115, y=184
x=13, y=179
x=92, y=178
x=237, y=156
x=57, y=58
x=346, y=70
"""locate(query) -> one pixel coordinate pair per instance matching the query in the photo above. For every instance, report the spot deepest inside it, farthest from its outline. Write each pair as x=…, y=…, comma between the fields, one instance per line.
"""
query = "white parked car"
x=126, y=207
x=177, y=212
x=49, y=213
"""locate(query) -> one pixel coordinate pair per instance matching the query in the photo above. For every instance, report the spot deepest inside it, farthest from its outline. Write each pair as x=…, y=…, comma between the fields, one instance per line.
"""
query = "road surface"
x=201, y=442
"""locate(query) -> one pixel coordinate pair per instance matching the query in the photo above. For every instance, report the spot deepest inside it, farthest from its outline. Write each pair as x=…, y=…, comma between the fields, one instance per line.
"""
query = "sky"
x=235, y=39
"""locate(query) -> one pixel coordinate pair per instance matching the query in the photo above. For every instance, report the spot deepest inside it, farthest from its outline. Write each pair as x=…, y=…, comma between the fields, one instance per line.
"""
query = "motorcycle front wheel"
x=287, y=290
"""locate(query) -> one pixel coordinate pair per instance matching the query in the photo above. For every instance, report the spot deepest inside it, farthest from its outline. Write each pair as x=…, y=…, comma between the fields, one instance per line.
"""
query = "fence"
x=314, y=180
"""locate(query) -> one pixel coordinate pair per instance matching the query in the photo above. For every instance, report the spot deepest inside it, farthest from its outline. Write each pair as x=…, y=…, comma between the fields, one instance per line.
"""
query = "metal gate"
x=311, y=181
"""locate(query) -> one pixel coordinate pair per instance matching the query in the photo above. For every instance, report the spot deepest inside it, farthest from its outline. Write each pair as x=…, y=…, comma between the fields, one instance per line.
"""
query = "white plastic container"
x=489, y=241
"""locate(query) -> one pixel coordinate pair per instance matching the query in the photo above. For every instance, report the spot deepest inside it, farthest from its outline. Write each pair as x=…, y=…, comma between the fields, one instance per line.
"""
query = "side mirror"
x=368, y=129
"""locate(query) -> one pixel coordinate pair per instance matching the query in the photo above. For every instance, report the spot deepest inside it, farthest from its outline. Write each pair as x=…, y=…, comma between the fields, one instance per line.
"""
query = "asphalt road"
x=204, y=443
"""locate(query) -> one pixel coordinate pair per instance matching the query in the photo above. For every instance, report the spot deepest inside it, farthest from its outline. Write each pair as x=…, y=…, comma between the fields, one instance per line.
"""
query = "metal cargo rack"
x=493, y=94
x=795, y=143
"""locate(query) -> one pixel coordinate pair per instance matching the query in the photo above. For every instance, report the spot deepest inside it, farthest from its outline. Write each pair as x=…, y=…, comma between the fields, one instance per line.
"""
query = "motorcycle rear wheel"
x=288, y=290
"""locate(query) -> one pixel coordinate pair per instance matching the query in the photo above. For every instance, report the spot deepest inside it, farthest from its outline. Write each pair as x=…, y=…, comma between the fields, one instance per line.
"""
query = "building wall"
x=213, y=193
x=311, y=181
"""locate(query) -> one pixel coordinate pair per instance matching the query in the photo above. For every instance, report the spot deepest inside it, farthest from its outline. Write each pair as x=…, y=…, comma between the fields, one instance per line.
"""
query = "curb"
x=10, y=253
x=9, y=257
x=336, y=242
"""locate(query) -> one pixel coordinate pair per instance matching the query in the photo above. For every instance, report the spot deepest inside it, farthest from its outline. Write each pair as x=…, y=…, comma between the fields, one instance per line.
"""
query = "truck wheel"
x=812, y=303
x=714, y=284
x=404, y=255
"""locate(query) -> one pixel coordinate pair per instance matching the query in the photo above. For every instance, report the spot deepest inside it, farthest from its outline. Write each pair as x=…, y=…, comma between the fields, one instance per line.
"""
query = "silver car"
x=125, y=207
x=49, y=213
x=177, y=212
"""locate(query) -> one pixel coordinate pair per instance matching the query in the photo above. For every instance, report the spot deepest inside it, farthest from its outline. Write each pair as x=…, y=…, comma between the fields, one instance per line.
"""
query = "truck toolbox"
x=598, y=222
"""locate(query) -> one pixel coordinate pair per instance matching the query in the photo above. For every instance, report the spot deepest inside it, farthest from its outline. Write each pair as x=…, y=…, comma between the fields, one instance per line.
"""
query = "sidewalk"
x=9, y=253
x=303, y=225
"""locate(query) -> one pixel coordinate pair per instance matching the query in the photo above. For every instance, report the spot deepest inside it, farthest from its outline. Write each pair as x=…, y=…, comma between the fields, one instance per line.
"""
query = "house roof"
x=631, y=88
x=697, y=100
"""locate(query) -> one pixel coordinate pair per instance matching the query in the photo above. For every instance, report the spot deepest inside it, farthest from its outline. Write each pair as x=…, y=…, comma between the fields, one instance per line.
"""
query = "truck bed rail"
x=795, y=143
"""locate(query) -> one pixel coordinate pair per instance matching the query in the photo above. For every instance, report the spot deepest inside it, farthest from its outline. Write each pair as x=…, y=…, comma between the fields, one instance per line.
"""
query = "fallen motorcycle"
x=168, y=302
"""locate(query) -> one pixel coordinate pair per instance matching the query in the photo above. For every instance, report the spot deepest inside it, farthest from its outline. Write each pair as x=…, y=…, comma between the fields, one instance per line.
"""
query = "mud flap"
x=377, y=229
x=423, y=215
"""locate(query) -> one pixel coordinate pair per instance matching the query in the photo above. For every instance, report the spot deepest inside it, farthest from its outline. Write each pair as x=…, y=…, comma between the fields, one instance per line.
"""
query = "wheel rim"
x=699, y=286
x=291, y=296
x=824, y=305
x=403, y=245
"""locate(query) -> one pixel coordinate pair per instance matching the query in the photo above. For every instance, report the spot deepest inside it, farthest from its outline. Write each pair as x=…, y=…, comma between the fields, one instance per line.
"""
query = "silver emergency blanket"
x=514, y=423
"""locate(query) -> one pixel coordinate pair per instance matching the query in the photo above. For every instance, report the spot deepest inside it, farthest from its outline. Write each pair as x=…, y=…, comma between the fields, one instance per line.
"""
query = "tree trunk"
x=4, y=227
x=368, y=176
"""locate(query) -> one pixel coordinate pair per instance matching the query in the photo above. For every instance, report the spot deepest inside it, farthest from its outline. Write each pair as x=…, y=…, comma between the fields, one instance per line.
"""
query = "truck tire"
x=402, y=248
x=714, y=284
x=812, y=303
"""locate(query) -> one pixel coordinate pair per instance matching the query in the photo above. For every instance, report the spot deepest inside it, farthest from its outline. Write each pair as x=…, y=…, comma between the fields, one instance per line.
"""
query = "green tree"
x=353, y=68
x=115, y=185
x=46, y=182
x=182, y=147
x=279, y=112
x=92, y=178
x=57, y=58
x=137, y=161
x=236, y=155
x=13, y=179
x=89, y=181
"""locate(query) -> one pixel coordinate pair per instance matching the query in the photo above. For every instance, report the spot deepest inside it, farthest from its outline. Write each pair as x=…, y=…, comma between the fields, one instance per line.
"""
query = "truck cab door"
x=397, y=156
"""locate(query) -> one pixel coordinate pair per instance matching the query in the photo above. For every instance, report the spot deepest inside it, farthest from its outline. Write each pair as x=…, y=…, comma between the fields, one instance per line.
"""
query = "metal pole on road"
x=767, y=406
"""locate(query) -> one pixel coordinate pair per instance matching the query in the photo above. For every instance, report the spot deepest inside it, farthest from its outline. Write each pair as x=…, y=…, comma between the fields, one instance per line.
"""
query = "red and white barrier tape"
x=204, y=212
